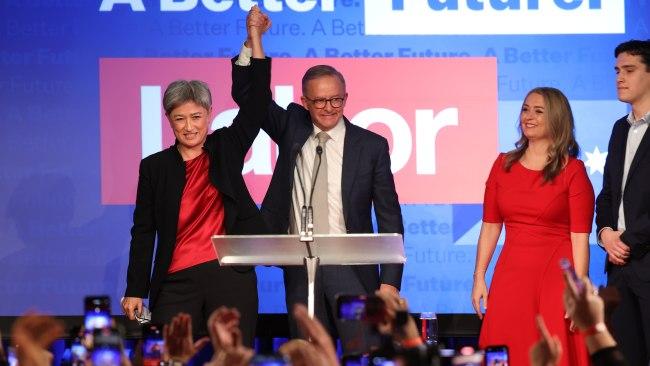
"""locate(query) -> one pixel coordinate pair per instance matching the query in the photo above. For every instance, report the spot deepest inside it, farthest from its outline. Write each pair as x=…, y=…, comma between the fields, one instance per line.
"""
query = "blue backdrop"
x=59, y=243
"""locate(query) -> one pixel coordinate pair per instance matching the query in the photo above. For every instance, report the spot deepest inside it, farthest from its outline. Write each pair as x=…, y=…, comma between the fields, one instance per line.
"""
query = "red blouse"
x=201, y=216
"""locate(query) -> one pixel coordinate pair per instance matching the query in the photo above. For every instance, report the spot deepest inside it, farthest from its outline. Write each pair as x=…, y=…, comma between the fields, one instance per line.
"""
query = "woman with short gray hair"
x=191, y=191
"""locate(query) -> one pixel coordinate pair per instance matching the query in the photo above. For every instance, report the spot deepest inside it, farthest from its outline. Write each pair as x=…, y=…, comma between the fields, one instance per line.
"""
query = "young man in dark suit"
x=353, y=176
x=623, y=205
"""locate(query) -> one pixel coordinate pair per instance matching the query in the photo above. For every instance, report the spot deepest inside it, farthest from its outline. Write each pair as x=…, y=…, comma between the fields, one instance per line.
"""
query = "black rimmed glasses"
x=320, y=103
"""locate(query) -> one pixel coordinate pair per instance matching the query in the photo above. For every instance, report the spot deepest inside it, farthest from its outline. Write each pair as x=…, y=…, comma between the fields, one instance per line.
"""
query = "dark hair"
x=636, y=48
x=183, y=91
x=560, y=124
x=318, y=71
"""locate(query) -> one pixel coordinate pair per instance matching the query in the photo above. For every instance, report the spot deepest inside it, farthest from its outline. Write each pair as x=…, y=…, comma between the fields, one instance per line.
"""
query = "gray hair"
x=319, y=71
x=183, y=91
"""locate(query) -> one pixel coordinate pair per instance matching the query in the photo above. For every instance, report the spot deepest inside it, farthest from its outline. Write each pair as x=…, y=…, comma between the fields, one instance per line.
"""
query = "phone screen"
x=369, y=308
x=97, y=312
x=152, y=345
x=365, y=360
x=106, y=348
x=12, y=360
x=152, y=352
x=106, y=356
x=351, y=307
x=78, y=354
x=496, y=356
x=567, y=267
x=269, y=360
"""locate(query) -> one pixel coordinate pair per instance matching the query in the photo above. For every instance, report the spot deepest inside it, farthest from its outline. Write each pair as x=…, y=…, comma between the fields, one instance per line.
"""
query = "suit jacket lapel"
x=178, y=177
x=351, y=153
x=618, y=161
x=640, y=152
x=301, y=130
x=228, y=199
x=301, y=136
x=221, y=180
x=219, y=176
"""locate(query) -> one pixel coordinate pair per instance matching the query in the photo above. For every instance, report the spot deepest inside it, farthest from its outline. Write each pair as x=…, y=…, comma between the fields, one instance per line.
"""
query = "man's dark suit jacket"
x=636, y=197
x=161, y=183
x=366, y=180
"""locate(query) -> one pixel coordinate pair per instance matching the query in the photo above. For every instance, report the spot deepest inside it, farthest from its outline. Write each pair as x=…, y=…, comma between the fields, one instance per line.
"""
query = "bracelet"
x=594, y=329
x=480, y=271
x=171, y=363
x=412, y=342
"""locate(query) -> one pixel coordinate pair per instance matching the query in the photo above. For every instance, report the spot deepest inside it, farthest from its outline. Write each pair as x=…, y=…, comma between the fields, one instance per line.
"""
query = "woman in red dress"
x=542, y=194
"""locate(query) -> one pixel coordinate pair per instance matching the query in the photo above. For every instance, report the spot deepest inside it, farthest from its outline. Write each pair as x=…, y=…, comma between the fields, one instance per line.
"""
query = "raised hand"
x=300, y=352
x=33, y=334
x=179, y=345
x=393, y=305
x=225, y=335
x=547, y=351
x=584, y=307
x=318, y=336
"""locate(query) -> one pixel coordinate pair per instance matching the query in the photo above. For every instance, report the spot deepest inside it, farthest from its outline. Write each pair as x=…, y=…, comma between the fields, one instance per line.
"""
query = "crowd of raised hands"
x=318, y=350
x=33, y=334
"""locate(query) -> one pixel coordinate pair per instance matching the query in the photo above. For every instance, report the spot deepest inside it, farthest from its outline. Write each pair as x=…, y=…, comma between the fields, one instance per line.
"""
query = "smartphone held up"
x=569, y=270
x=368, y=308
x=97, y=313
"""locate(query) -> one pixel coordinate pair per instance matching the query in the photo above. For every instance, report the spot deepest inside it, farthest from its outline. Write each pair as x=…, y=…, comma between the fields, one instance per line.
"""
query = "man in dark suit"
x=623, y=205
x=350, y=170
x=191, y=191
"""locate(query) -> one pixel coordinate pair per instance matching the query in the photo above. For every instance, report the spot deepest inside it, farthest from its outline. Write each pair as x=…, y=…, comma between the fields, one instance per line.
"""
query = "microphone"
x=319, y=152
x=303, y=209
x=302, y=185
x=310, y=209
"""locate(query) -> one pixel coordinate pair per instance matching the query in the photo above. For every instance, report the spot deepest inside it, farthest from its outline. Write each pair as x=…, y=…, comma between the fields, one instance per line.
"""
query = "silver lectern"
x=325, y=249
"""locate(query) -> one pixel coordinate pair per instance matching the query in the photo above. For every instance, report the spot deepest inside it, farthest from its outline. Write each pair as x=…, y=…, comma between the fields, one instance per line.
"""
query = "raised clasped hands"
x=257, y=23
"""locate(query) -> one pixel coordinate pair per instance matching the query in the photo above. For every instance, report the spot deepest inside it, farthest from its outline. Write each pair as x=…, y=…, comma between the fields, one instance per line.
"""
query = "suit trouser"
x=330, y=281
x=201, y=289
x=631, y=318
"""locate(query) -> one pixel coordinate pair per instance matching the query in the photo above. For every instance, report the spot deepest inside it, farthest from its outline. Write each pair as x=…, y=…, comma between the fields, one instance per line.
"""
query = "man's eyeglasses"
x=320, y=103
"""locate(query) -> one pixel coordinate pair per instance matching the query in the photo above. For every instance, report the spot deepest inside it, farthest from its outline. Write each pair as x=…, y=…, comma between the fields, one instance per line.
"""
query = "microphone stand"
x=307, y=235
